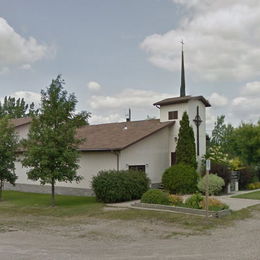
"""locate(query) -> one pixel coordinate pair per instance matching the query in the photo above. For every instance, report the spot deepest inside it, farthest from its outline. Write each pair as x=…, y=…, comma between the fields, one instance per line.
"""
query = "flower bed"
x=175, y=209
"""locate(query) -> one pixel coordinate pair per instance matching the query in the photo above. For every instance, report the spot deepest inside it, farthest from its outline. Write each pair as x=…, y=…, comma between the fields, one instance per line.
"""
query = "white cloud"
x=251, y=89
x=127, y=98
x=93, y=85
x=28, y=96
x=102, y=119
x=247, y=106
x=221, y=40
x=218, y=100
x=114, y=108
x=26, y=67
x=15, y=50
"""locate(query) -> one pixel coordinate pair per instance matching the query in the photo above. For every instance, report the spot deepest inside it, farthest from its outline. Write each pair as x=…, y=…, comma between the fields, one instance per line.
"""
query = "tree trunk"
x=52, y=193
x=1, y=190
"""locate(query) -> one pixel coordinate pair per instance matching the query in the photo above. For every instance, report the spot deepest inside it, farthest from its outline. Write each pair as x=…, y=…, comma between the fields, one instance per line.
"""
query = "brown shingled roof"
x=177, y=100
x=112, y=136
x=117, y=136
x=20, y=121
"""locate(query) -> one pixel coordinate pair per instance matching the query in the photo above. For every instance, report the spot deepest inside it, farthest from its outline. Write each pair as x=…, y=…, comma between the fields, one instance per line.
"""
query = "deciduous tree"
x=8, y=146
x=51, y=148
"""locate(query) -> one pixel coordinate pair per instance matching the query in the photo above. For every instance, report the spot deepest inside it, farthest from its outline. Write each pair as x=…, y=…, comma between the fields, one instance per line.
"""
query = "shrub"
x=216, y=184
x=253, y=186
x=155, y=196
x=246, y=176
x=176, y=200
x=115, y=186
x=194, y=201
x=214, y=204
x=180, y=179
x=222, y=171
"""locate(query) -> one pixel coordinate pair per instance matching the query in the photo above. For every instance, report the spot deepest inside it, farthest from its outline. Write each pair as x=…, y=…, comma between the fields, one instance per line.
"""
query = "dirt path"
x=113, y=239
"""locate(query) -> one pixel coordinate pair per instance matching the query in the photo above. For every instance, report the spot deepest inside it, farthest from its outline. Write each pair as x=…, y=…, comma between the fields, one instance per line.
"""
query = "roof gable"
x=178, y=100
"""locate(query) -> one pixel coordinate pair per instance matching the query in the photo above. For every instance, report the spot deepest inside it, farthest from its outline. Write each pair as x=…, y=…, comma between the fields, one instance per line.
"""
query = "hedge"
x=180, y=179
x=117, y=186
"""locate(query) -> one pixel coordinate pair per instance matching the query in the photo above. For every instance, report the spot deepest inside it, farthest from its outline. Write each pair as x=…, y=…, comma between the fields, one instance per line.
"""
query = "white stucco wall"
x=22, y=131
x=152, y=152
x=90, y=164
x=191, y=108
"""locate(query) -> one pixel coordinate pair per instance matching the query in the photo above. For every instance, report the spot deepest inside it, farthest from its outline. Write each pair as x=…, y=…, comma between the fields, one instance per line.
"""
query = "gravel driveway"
x=240, y=241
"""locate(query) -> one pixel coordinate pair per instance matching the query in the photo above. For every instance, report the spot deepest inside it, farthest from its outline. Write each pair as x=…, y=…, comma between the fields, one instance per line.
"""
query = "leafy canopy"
x=51, y=147
x=185, y=150
x=8, y=146
x=16, y=108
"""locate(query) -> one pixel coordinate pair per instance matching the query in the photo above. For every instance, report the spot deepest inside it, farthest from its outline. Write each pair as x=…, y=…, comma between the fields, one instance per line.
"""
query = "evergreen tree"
x=185, y=150
x=51, y=147
x=8, y=146
x=16, y=108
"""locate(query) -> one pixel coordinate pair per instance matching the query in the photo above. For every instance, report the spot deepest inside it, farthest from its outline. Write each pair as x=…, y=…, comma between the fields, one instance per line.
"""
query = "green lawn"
x=252, y=195
x=20, y=210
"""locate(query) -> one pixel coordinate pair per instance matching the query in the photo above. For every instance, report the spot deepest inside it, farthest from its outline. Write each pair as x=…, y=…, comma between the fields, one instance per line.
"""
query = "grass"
x=40, y=204
x=21, y=210
x=252, y=195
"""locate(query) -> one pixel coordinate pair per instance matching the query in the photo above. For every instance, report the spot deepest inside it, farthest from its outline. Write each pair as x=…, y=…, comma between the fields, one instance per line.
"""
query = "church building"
x=147, y=145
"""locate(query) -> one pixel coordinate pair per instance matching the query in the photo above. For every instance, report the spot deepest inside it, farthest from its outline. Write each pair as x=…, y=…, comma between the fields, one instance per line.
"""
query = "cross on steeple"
x=197, y=122
x=182, y=89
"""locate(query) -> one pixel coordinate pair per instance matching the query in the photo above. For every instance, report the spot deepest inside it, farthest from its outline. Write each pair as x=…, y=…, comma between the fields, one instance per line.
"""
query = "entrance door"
x=173, y=158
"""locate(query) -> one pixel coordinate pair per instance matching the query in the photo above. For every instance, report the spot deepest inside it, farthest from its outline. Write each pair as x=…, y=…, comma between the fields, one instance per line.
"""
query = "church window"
x=140, y=168
x=173, y=115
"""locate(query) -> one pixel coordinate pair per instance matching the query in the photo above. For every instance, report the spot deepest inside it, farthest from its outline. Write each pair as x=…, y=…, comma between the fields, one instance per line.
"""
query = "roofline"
x=124, y=147
x=184, y=100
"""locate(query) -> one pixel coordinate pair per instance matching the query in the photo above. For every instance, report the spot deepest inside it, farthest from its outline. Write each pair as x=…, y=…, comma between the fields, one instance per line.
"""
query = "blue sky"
x=120, y=53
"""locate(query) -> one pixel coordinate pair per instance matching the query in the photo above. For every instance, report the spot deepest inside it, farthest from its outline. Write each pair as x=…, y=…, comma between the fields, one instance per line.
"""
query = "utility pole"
x=207, y=188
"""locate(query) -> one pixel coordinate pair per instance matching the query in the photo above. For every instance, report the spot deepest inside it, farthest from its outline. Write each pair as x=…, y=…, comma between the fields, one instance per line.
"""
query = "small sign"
x=207, y=165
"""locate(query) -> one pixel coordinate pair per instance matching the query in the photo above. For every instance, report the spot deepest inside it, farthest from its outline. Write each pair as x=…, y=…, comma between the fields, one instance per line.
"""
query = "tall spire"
x=182, y=89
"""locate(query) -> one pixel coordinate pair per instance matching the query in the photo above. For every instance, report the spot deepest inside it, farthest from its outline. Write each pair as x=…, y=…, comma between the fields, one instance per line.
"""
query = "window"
x=172, y=115
x=140, y=168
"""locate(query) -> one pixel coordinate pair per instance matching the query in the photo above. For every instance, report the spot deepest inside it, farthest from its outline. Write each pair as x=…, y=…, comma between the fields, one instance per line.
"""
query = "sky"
x=121, y=54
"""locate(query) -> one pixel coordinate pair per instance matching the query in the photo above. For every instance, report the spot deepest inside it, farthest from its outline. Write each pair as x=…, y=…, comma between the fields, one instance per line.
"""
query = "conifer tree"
x=51, y=147
x=8, y=146
x=185, y=150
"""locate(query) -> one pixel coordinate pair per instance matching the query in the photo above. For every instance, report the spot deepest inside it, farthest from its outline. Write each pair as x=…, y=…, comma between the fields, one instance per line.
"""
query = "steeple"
x=182, y=89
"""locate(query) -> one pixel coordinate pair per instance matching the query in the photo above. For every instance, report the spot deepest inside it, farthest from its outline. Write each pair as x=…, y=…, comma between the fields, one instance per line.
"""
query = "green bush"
x=253, y=186
x=194, y=201
x=155, y=196
x=180, y=179
x=116, y=186
x=216, y=184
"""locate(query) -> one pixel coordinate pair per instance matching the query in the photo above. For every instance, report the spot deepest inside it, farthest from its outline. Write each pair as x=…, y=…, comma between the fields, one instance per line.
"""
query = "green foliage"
x=223, y=171
x=155, y=196
x=116, y=186
x=222, y=136
x=194, y=201
x=51, y=147
x=215, y=182
x=8, y=146
x=253, y=186
x=247, y=143
x=247, y=175
x=16, y=108
x=185, y=150
x=180, y=178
